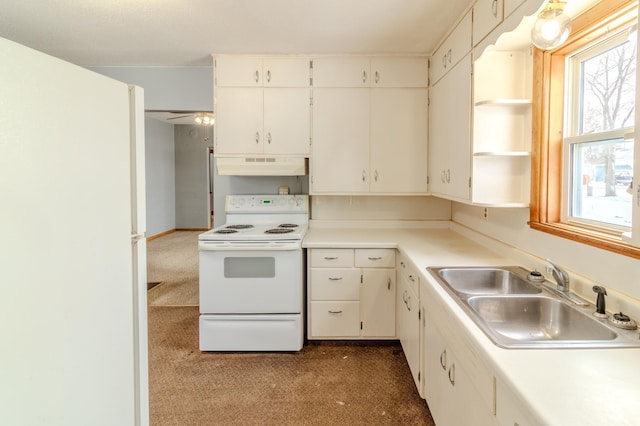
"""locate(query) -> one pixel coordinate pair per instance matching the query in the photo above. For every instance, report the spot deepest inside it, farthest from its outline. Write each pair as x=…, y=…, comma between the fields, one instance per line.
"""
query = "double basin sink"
x=515, y=312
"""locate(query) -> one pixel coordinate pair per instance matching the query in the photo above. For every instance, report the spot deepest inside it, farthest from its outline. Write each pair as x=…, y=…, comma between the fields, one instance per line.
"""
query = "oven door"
x=245, y=278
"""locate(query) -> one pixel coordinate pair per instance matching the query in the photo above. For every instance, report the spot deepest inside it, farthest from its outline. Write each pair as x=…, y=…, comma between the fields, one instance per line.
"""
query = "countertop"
x=561, y=386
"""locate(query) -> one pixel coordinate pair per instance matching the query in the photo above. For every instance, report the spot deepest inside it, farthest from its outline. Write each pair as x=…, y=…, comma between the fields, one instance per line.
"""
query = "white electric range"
x=251, y=275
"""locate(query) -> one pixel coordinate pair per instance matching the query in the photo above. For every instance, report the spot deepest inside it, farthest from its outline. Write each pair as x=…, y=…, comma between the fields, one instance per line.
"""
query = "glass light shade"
x=551, y=29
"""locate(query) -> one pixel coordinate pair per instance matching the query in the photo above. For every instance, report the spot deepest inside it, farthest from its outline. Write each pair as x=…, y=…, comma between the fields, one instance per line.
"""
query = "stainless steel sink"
x=537, y=321
x=516, y=314
x=502, y=280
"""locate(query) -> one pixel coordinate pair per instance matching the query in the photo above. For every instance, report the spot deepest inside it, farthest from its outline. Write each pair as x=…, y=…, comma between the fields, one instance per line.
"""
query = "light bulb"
x=551, y=29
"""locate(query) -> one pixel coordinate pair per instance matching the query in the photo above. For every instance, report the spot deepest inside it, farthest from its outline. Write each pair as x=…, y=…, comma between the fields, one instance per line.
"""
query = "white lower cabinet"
x=449, y=389
x=509, y=410
x=351, y=294
x=408, y=315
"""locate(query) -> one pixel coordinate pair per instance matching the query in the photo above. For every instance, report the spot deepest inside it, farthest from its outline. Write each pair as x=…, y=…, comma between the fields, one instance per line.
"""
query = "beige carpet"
x=330, y=383
x=172, y=261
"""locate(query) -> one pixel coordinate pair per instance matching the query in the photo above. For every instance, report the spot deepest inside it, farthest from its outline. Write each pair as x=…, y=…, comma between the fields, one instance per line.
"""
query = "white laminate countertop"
x=560, y=387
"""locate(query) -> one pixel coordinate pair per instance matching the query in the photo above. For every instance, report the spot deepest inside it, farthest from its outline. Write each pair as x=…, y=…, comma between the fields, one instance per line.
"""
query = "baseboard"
x=162, y=234
x=192, y=229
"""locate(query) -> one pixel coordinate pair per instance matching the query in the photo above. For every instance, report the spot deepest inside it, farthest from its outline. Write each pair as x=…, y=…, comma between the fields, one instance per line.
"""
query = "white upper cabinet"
x=452, y=50
x=262, y=105
x=487, y=14
x=449, y=133
x=254, y=71
x=369, y=139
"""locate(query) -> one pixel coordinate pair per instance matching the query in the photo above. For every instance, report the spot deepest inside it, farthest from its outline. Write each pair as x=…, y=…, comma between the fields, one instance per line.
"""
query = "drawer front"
x=335, y=284
x=375, y=258
x=335, y=319
x=409, y=273
x=454, y=48
x=336, y=258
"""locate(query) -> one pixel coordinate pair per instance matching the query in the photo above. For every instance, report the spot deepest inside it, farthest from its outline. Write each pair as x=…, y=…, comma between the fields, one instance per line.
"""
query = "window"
x=583, y=126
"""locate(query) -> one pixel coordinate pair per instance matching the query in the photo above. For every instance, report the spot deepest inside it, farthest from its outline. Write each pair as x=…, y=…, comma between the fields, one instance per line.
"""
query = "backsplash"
x=379, y=208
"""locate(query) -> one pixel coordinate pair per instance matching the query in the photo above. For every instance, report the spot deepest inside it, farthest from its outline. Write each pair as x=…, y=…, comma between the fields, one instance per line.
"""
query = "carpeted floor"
x=172, y=261
x=327, y=383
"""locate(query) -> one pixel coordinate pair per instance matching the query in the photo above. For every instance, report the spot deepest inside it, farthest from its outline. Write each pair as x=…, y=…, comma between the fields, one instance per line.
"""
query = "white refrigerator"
x=73, y=318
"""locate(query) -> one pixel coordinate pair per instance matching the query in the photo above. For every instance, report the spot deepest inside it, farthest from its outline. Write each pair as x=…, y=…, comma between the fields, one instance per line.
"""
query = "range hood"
x=262, y=166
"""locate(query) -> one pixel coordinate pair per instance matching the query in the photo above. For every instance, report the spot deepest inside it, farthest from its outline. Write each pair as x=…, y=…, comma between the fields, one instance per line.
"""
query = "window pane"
x=601, y=175
x=608, y=87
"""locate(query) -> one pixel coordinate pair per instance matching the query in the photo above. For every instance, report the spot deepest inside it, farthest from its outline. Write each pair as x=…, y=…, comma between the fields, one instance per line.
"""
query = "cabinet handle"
x=269, y=138
x=257, y=77
x=638, y=196
x=335, y=312
x=449, y=56
x=364, y=176
x=335, y=278
x=404, y=297
x=377, y=77
x=402, y=264
x=494, y=8
x=409, y=303
x=389, y=284
x=269, y=72
x=375, y=176
x=443, y=359
x=257, y=137
x=452, y=374
x=444, y=61
x=330, y=257
x=448, y=175
x=443, y=176
x=364, y=76
x=375, y=258
x=412, y=279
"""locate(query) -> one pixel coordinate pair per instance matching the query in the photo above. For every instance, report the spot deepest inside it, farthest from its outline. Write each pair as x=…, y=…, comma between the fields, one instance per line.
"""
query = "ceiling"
x=187, y=32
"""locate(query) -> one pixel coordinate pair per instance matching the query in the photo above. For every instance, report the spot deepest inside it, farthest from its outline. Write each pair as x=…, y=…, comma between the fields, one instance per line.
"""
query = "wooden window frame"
x=547, y=129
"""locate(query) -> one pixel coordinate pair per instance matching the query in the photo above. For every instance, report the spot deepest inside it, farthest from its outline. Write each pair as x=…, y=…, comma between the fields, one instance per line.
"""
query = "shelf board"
x=504, y=103
x=502, y=154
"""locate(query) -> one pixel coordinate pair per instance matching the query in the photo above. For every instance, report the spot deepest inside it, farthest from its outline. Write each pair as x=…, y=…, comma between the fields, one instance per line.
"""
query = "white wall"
x=191, y=176
x=160, y=176
x=168, y=88
x=619, y=274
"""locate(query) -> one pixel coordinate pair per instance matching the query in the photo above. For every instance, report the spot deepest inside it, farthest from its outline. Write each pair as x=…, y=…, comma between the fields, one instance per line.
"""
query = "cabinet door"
x=286, y=72
x=453, y=49
x=436, y=388
x=450, y=133
x=238, y=71
x=399, y=71
x=348, y=71
x=377, y=303
x=340, y=143
x=487, y=14
x=399, y=140
x=287, y=127
x=239, y=121
x=408, y=329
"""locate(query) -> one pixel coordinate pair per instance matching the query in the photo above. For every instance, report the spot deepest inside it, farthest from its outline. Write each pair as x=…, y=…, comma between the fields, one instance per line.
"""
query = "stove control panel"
x=267, y=203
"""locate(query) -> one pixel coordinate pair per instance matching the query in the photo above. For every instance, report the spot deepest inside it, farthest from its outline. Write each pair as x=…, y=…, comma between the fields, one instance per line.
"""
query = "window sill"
x=602, y=240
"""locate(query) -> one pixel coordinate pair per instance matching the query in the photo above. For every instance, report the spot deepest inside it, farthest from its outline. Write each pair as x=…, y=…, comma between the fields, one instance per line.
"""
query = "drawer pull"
x=330, y=257
x=389, y=284
x=335, y=312
x=443, y=359
x=335, y=278
x=375, y=258
x=452, y=374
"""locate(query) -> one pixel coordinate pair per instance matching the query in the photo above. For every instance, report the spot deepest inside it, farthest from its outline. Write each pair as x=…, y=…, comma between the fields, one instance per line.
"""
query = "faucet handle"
x=561, y=276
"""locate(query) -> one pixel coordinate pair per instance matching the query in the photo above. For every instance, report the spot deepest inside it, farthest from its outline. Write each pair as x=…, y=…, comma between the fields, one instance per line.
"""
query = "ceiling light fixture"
x=552, y=27
x=204, y=119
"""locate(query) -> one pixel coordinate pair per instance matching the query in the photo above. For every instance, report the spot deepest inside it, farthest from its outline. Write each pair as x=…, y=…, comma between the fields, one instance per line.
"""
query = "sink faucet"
x=561, y=276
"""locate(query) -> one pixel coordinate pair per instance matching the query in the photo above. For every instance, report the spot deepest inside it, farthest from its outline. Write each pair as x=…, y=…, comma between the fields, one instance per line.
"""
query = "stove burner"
x=622, y=321
x=278, y=231
x=288, y=225
x=239, y=226
x=225, y=231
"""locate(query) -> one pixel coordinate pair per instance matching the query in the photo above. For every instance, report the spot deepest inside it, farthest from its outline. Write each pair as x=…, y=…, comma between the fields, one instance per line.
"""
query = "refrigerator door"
x=72, y=320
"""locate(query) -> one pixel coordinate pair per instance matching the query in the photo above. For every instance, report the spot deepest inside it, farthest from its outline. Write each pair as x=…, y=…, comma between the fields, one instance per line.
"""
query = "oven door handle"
x=248, y=246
